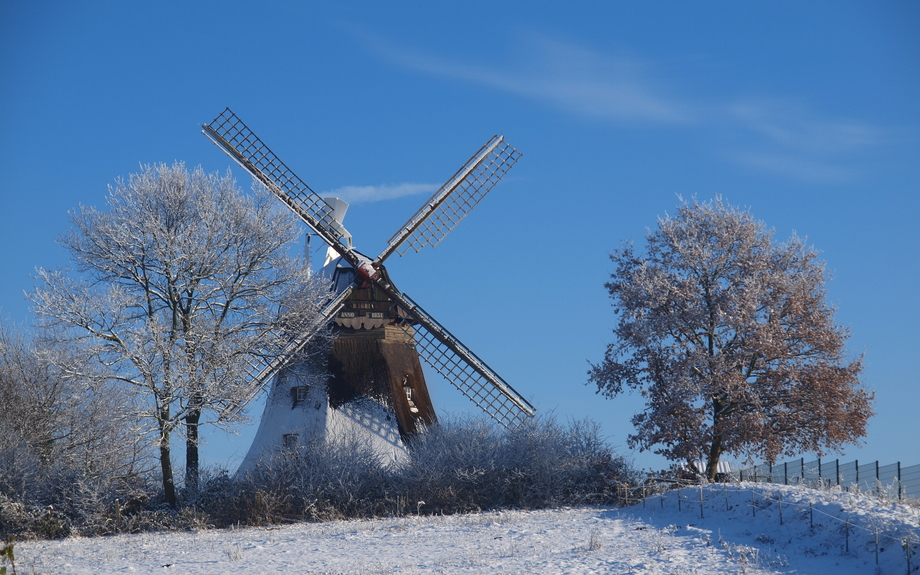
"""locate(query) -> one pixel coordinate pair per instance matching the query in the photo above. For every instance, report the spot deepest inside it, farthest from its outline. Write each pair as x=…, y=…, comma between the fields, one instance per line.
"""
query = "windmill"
x=375, y=381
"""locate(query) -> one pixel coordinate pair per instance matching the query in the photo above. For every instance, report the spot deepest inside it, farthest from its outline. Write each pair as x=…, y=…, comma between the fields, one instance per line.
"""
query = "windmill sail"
x=450, y=204
x=266, y=363
x=263, y=366
x=460, y=366
x=240, y=143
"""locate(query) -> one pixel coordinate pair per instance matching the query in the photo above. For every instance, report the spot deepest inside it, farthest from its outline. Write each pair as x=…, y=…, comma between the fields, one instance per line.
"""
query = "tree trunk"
x=169, y=485
x=715, y=451
x=191, y=450
x=715, y=448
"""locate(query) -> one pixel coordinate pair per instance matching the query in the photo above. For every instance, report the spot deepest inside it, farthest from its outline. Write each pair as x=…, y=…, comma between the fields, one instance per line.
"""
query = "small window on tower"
x=408, y=389
x=298, y=395
x=290, y=440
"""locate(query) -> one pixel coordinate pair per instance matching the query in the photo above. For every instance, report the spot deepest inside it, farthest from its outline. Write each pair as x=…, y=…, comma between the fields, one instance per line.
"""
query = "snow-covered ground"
x=741, y=528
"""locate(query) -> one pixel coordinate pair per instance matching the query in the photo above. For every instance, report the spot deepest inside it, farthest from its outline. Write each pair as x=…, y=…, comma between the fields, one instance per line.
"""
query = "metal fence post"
x=900, y=486
x=878, y=480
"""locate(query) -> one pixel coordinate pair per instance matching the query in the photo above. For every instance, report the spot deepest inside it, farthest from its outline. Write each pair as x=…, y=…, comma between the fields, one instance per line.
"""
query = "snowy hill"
x=739, y=528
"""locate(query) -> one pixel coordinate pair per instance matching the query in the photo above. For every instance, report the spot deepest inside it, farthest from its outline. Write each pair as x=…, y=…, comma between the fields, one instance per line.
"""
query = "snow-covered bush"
x=458, y=465
x=317, y=482
x=470, y=464
x=68, y=444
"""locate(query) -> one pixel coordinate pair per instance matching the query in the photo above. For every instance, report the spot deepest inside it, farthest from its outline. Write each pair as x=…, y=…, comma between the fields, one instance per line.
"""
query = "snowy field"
x=742, y=528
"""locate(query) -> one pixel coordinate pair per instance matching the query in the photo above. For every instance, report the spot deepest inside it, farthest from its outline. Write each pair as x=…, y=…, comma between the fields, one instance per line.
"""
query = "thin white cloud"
x=571, y=77
x=791, y=125
x=368, y=194
x=799, y=168
x=786, y=138
x=767, y=134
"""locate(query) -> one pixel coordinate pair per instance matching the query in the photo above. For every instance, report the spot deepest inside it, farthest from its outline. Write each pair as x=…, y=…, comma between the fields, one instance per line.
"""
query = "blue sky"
x=807, y=113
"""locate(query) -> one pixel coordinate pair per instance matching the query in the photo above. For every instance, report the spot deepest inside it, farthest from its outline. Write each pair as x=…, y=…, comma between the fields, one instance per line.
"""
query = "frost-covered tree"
x=182, y=281
x=53, y=425
x=730, y=341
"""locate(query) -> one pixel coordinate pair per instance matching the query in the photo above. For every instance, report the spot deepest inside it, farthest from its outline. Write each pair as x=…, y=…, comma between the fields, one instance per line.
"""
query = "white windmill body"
x=298, y=413
x=291, y=421
x=367, y=384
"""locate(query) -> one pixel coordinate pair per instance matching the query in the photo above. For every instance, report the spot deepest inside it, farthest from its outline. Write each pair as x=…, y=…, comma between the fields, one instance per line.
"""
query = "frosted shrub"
x=69, y=446
x=458, y=465
x=318, y=482
x=65, y=501
x=19, y=465
x=469, y=464
x=454, y=466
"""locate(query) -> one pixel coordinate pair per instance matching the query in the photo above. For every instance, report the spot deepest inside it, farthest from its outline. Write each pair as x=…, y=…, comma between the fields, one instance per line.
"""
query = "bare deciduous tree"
x=183, y=281
x=50, y=422
x=729, y=339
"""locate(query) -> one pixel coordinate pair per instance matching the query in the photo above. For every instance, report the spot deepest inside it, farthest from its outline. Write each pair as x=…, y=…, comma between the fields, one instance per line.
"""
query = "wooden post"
x=876, y=545
x=848, y=534
x=907, y=552
x=701, y=502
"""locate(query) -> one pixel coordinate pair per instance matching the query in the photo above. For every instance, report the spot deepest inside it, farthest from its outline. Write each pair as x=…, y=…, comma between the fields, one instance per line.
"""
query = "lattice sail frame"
x=240, y=143
x=454, y=200
x=263, y=364
x=463, y=369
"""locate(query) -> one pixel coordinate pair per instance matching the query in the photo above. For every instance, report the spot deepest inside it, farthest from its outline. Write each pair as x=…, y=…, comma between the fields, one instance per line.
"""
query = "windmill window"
x=290, y=440
x=298, y=395
x=408, y=389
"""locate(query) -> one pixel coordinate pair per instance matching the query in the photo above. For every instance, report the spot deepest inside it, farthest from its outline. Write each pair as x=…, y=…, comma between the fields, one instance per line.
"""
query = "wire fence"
x=844, y=524
x=893, y=480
